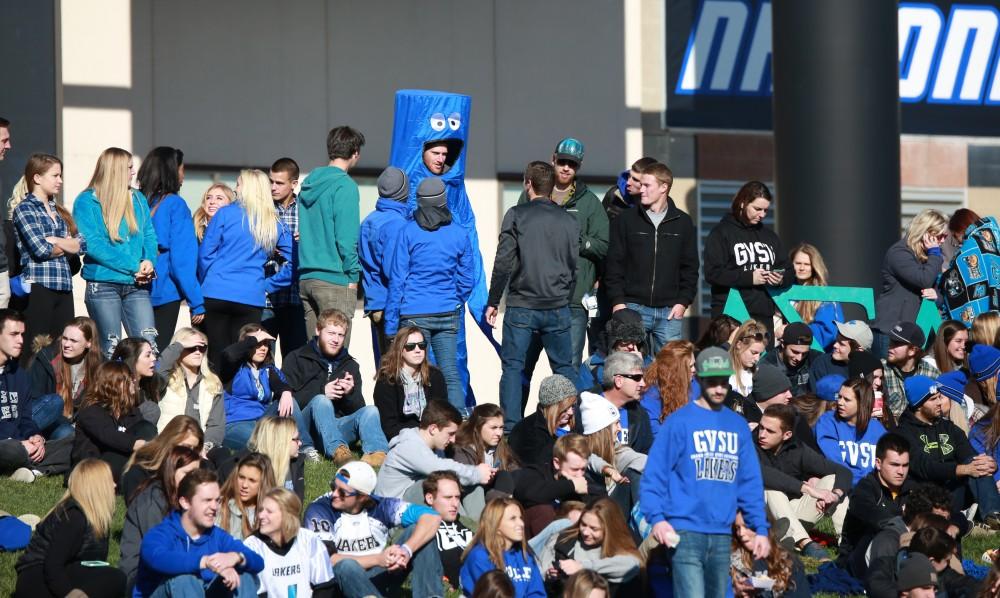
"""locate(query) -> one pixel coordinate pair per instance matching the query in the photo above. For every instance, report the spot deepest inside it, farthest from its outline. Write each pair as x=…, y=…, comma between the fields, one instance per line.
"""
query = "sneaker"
x=992, y=521
x=311, y=453
x=813, y=550
x=342, y=455
x=23, y=474
x=375, y=459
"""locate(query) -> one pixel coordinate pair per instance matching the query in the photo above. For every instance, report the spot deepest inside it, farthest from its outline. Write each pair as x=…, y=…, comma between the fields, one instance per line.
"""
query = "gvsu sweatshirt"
x=733, y=250
x=523, y=572
x=701, y=468
x=839, y=442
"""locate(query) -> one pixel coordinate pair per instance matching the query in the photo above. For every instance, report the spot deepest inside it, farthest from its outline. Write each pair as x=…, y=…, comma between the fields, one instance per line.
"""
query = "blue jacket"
x=231, y=264
x=243, y=403
x=378, y=234
x=650, y=401
x=177, y=264
x=702, y=467
x=106, y=261
x=823, y=326
x=15, y=403
x=430, y=273
x=523, y=573
x=168, y=551
x=839, y=442
x=977, y=438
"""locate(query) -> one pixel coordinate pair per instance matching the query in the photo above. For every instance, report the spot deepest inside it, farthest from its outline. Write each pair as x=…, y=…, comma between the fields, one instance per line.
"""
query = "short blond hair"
x=291, y=510
x=928, y=221
x=333, y=317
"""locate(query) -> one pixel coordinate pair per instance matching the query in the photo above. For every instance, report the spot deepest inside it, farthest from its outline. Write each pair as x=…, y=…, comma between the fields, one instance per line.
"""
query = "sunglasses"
x=633, y=377
x=757, y=336
x=336, y=491
x=411, y=346
x=198, y=348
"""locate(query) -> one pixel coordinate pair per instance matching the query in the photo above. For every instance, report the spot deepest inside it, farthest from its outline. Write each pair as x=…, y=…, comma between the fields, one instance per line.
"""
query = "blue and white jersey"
x=365, y=533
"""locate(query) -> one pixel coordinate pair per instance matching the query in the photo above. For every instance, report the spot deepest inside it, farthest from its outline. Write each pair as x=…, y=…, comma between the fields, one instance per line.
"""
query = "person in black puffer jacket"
x=406, y=382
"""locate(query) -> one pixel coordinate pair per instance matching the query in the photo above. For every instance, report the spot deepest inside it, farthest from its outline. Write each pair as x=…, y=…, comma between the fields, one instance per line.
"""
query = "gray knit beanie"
x=430, y=193
x=554, y=389
x=393, y=184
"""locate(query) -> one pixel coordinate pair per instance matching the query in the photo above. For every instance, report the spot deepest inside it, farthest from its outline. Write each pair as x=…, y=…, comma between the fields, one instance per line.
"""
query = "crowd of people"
x=652, y=465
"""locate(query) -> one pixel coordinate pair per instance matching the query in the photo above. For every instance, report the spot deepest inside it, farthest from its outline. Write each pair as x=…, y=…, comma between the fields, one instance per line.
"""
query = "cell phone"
x=778, y=270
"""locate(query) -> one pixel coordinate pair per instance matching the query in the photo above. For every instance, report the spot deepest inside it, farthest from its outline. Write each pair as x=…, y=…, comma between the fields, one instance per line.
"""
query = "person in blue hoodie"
x=848, y=435
x=160, y=178
x=188, y=555
x=499, y=543
x=239, y=240
x=378, y=234
x=703, y=466
x=121, y=247
x=430, y=278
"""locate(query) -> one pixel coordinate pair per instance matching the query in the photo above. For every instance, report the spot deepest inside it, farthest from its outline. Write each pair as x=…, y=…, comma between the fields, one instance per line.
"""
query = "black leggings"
x=96, y=582
x=223, y=320
x=165, y=317
x=47, y=312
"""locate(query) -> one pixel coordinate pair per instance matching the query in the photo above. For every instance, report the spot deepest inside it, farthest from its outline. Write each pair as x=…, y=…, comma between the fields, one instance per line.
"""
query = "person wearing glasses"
x=356, y=526
x=193, y=389
x=623, y=387
x=406, y=382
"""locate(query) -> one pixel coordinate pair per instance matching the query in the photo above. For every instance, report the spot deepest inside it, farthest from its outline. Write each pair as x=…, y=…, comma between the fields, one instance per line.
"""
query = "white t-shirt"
x=305, y=564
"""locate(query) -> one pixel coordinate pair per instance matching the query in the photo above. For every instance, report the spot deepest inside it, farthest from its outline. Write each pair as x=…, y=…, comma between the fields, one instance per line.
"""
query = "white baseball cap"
x=358, y=475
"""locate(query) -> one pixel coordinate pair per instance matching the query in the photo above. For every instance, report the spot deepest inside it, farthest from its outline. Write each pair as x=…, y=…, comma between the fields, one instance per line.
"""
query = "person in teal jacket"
x=121, y=247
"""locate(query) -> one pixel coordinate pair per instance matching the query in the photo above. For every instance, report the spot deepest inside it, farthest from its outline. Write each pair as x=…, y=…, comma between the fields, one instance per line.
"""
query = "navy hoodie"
x=15, y=403
x=732, y=251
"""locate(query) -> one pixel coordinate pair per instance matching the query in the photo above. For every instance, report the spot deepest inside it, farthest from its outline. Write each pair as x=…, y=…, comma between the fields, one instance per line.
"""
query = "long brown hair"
x=617, y=538
x=992, y=432
x=945, y=333
x=602, y=443
x=469, y=435
x=230, y=489
x=583, y=582
x=91, y=360
x=670, y=373
x=178, y=457
x=807, y=309
x=810, y=407
x=114, y=389
x=390, y=370
x=779, y=563
x=127, y=351
x=110, y=183
x=865, y=396
x=151, y=455
x=40, y=164
x=489, y=535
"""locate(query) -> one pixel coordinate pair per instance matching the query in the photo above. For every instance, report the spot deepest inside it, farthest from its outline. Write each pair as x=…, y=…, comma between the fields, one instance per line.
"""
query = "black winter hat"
x=624, y=325
x=768, y=382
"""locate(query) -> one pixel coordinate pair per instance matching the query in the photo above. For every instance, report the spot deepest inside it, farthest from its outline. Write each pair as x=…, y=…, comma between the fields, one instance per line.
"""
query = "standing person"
x=192, y=388
x=702, y=468
x=283, y=315
x=443, y=494
x=795, y=356
x=652, y=264
x=4, y=240
x=501, y=543
x=742, y=254
x=330, y=222
x=540, y=290
x=406, y=383
x=217, y=196
x=377, y=236
x=850, y=434
x=574, y=197
x=430, y=279
x=75, y=533
x=810, y=270
x=626, y=193
x=909, y=271
x=46, y=238
x=905, y=358
x=121, y=247
x=160, y=178
x=238, y=242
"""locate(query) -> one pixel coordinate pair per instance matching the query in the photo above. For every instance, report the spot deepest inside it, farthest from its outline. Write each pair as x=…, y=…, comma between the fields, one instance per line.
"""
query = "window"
x=918, y=199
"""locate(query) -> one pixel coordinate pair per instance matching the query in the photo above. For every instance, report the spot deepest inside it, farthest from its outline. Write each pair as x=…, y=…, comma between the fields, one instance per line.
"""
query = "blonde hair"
x=201, y=217
x=111, y=186
x=927, y=221
x=255, y=197
x=291, y=509
x=272, y=436
x=749, y=333
x=986, y=329
x=551, y=414
x=17, y=195
x=90, y=484
x=602, y=443
x=176, y=381
x=807, y=309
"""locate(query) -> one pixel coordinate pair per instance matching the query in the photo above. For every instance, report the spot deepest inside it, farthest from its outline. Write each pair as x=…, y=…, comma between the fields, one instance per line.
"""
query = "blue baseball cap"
x=570, y=149
x=952, y=385
x=919, y=389
x=828, y=386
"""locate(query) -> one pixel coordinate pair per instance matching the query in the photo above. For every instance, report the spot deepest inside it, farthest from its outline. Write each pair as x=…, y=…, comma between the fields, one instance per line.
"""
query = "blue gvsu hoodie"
x=15, y=403
x=168, y=551
x=839, y=442
x=523, y=573
x=244, y=399
x=177, y=264
x=378, y=234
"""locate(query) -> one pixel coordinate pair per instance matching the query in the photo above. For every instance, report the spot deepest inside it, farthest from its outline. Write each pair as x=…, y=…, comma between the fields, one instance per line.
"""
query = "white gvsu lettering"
x=716, y=456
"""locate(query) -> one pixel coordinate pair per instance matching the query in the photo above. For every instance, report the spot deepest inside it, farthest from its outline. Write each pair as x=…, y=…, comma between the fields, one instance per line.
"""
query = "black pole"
x=836, y=131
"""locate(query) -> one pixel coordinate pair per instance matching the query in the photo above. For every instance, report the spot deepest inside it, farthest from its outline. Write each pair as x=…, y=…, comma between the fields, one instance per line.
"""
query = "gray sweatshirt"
x=145, y=512
x=616, y=569
x=410, y=460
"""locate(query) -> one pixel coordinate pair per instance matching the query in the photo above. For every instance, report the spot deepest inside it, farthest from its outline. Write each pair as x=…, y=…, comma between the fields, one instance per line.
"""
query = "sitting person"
x=188, y=555
x=795, y=357
x=414, y=454
x=496, y=584
x=355, y=526
x=780, y=566
x=406, y=382
x=925, y=501
x=623, y=386
x=192, y=388
x=252, y=477
x=848, y=435
x=442, y=493
x=622, y=332
x=501, y=543
x=60, y=559
x=669, y=384
x=326, y=382
x=749, y=343
x=852, y=336
x=145, y=462
x=940, y=548
x=602, y=429
x=295, y=559
x=278, y=439
x=906, y=358
x=557, y=414
x=600, y=541
x=110, y=425
x=140, y=357
x=480, y=439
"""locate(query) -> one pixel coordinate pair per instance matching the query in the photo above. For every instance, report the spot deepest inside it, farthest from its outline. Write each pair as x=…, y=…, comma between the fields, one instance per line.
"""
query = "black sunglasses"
x=633, y=377
x=757, y=336
x=198, y=348
x=411, y=346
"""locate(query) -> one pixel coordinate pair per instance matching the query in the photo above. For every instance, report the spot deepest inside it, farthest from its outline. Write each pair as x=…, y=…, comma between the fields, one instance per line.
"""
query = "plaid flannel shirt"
x=290, y=294
x=893, y=391
x=31, y=225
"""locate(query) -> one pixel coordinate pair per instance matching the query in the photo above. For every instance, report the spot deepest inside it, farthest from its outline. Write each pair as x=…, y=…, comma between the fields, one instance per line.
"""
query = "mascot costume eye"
x=425, y=119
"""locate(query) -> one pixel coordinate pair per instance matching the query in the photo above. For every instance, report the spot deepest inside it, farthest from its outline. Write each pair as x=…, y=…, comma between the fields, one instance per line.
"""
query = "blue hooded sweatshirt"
x=243, y=400
x=231, y=264
x=523, y=573
x=651, y=402
x=378, y=234
x=978, y=440
x=703, y=466
x=839, y=442
x=168, y=551
x=824, y=324
x=430, y=273
x=107, y=260
x=15, y=408
x=177, y=264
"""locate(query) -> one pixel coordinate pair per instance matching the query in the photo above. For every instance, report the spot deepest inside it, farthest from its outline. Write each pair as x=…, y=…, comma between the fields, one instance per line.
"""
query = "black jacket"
x=793, y=464
x=870, y=508
x=750, y=410
x=935, y=449
x=389, y=401
x=640, y=433
x=530, y=439
x=650, y=265
x=97, y=431
x=538, y=485
x=308, y=371
x=536, y=255
x=63, y=538
x=732, y=251
x=799, y=377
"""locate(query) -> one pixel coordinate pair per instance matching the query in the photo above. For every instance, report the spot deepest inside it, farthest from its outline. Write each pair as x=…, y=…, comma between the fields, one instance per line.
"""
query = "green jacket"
x=329, y=225
x=593, y=221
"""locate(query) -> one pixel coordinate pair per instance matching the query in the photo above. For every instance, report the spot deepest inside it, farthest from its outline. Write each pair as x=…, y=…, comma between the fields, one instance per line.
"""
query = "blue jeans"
x=659, y=329
x=238, y=433
x=47, y=413
x=185, y=586
x=425, y=574
x=701, y=564
x=441, y=332
x=519, y=325
x=111, y=304
x=364, y=425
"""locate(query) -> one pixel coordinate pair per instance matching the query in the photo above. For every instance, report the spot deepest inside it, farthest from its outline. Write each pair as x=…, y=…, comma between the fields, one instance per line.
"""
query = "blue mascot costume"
x=433, y=116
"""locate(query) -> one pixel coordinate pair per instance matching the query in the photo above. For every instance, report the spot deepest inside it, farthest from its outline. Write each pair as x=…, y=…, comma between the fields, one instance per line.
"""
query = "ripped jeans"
x=111, y=304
